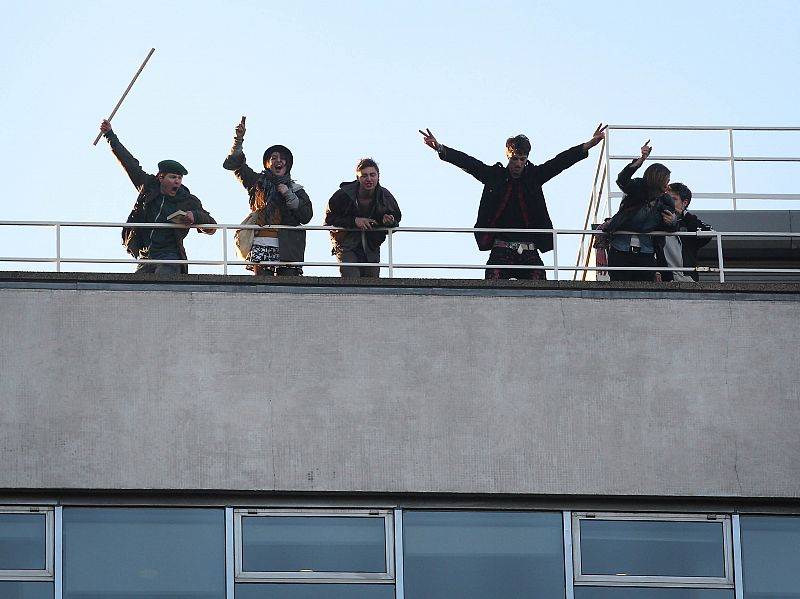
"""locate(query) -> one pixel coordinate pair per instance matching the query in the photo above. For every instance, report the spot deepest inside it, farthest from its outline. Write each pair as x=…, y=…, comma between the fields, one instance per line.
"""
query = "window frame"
x=388, y=577
x=610, y=580
x=48, y=572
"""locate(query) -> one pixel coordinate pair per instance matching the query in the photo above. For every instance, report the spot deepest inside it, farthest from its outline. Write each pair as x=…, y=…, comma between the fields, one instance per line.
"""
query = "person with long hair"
x=278, y=200
x=645, y=208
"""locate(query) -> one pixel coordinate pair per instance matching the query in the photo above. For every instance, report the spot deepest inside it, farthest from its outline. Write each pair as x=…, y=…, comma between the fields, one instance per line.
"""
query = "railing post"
x=389, y=250
x=555, y=256
x=721, y=260
x=58, y=247
x=608, y=171
x=733, y=168
x=225, y=250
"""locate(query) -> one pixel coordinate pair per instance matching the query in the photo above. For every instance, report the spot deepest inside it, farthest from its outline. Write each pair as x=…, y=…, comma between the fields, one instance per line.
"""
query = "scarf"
x=266, y=190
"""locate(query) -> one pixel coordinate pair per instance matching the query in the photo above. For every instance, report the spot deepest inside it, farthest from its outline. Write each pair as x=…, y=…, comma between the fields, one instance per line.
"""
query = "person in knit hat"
x=278, y=200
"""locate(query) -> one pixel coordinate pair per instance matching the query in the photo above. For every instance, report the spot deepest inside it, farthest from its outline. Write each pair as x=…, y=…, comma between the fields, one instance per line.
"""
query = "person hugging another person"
x=645, y=208
x=277, y=200
x=681, y=250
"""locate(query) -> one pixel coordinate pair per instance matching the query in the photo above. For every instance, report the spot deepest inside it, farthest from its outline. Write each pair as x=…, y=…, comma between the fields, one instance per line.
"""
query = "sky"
x=337, y=81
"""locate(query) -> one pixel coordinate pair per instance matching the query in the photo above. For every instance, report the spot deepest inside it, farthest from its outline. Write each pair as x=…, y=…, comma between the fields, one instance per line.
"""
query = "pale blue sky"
x=336, y=81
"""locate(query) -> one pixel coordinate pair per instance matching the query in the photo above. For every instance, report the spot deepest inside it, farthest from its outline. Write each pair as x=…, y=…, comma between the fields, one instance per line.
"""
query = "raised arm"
x=236, y=162
x=598, y=136
x=482, y=172
x=564, y=160
x=624, y=179
x=132, y=167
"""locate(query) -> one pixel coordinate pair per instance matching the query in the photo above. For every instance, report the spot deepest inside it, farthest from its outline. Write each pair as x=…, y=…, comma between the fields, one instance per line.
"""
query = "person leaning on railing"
x=681, y=250
x=160, y=196
x=645, y=208
x=366, y=205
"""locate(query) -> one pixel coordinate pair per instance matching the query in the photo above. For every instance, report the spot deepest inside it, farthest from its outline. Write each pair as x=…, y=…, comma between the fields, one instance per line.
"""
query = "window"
x=26, y=552
x=26, y=543
x=651, y=593
x=169, y=553
x=644, y=550
x=335, y=545
x=474, y=555
x=313, y=591
x=770, y=557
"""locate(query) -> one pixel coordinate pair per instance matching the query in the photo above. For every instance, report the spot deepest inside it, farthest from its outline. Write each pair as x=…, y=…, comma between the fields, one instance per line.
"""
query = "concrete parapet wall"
x=364, y=390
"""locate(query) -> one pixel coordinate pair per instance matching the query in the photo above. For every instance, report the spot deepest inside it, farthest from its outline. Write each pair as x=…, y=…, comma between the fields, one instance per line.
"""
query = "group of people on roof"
x=363, y=210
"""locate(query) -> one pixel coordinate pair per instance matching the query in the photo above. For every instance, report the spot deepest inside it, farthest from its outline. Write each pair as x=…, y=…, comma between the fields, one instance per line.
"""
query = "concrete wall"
x=400, y=391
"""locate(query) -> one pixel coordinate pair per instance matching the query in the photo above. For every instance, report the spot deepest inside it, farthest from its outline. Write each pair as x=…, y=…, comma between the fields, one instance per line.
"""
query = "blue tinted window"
x=26, y=590
x=23, y=541
x=652, y=548
x=650, y=593
x=771, y=557
x=313, y=544
x=475, y=555
x=122, y=553
x=315, y=591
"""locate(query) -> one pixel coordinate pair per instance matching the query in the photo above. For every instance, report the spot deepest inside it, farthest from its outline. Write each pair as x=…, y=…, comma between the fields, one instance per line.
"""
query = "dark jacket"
x=638, y=213
x=689, y=245
x=342, y=211
x=496, y=178
x=136, y=239
x=292, y=244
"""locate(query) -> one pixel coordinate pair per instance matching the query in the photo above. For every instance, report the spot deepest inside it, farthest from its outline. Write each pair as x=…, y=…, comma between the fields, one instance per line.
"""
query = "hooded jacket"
x=342, y=211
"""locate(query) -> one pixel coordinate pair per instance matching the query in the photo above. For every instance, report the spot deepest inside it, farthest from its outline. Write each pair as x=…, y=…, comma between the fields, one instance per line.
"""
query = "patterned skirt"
x=263, y=253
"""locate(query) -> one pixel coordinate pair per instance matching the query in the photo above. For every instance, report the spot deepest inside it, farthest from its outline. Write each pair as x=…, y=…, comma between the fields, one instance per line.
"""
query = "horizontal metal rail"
x=700, y=128
x=392, y=263
x=603, y=199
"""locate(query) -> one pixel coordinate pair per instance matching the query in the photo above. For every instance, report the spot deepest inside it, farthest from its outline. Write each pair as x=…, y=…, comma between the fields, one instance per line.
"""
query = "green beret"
x=172, y=166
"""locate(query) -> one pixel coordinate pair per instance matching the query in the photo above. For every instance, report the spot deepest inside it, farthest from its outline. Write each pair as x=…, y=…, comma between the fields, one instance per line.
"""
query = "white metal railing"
x=731, y=158
x=391, y=264
x=601, y=196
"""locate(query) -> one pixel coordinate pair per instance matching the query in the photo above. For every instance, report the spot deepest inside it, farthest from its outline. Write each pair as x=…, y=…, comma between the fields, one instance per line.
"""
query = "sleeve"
x=559, y=163
x=625, y=181
x=202, y=217
x=693, y=223
x=482, y=172
x=236, y=162
x=304, y=210
x=132, y=167
x=393, y=208
x=336, y=213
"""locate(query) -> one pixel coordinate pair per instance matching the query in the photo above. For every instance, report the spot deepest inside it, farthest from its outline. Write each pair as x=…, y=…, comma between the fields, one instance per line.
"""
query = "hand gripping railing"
x=392, y=264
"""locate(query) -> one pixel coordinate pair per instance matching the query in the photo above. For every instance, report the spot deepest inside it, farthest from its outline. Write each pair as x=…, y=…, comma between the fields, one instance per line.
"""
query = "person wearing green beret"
x=162, y=199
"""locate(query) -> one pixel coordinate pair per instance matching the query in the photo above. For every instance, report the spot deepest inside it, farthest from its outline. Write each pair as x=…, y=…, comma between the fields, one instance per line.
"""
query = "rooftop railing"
x=604, y=197
x=228, y=259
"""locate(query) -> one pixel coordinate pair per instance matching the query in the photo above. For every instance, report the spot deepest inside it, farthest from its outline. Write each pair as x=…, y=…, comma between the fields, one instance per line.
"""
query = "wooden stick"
x=130, y=85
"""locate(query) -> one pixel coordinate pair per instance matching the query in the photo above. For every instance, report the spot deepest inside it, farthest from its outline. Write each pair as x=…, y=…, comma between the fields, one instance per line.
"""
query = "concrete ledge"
x=190, y=282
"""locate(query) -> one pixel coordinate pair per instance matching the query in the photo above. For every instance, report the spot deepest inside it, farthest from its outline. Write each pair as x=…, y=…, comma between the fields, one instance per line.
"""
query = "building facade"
x=225, y=437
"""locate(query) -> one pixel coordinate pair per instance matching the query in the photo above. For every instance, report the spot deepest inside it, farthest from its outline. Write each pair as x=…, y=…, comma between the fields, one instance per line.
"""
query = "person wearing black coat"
x=513, y=199
x=681, y=250
x=369, y=208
